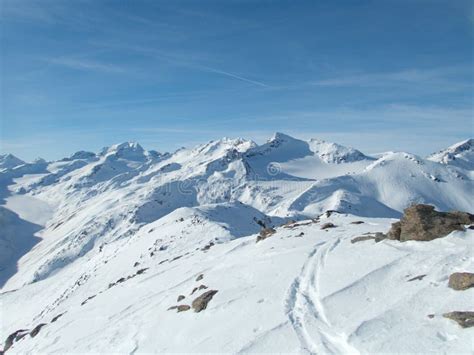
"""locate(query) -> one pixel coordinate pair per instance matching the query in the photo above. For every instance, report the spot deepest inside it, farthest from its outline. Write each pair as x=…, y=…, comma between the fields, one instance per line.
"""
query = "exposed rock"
x=14, y=337
x=208, y=246
x=200, y=303
x=89, y=298
x=394, y=232
x=377, y=237
x=141, y=271
x=289, y=223
x=471, y=226
x=362, y=238
x=423, y=223
x=202, y=287
x=180, y=298
x=380, y=236
x=417, y=278
x=357, y=222
x=328, y=225
x=194, y=290
x=328, y=213
x=265, y=233
x=136, y=264
x=464, y=319
x=37, y=329
x=461, y=281
x=260, y=223
x=180, y=308
x=200, y=277
x=183, y=308
x=55, y=318
x=431, y=316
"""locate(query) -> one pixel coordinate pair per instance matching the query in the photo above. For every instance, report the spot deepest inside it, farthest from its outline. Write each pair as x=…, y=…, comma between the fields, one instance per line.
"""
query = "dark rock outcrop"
x=37, y=329
x=328, y=225
x=289, y=223
x=377, y=237
x=464, y=319
x=180, y=298
x=141, y=271
x=265, y=233
x=423, y=223
x=201, y=302
x=180, y=308
x=417, y=278
x=208, y=246
x=55, y=318
x=362, y=238
x=183, y=308
x=14, y=337
x=461, y=281
x=395, y=231
x=200, y=277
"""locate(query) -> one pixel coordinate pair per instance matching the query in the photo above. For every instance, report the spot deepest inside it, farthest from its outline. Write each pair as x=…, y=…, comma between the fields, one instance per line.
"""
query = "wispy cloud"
x=406, y=76
x=229, y=74
x=87, y=65
x=175, y=59
x=188, y=59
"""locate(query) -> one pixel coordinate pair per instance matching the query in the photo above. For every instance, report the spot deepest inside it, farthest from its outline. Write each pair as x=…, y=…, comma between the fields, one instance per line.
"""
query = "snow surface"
x=72, y=228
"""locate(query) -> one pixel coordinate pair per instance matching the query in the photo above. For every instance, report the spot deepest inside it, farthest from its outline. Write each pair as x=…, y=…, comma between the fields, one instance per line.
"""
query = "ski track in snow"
x=306, y=311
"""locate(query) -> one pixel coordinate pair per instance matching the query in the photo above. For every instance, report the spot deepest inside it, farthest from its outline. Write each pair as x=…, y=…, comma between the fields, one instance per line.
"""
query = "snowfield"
x=96, y=249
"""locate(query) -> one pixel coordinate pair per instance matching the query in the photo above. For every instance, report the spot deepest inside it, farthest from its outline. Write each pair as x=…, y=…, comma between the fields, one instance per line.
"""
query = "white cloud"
x=82, y=64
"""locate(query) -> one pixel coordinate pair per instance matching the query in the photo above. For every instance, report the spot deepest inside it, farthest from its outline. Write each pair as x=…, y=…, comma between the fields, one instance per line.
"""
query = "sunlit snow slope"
x=110, y=240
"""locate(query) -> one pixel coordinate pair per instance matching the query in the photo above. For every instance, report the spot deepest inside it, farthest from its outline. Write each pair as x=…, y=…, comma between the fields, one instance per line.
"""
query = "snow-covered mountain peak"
x=82, y=155
x=224, y=145
x=130, y=151
x=39, y=161
x=123, y=148
x=281, y=147
x=460, y=154
x=335, y=153
x=9, y=161
x=279, y=138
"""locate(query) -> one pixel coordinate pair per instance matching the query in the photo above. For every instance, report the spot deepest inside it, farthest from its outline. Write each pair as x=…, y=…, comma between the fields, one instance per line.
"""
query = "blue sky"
x=377, y=75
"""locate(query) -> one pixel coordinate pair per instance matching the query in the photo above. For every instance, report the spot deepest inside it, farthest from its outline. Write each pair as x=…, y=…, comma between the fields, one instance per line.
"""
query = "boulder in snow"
x=464, y=319
x=265, y=233
x=328, y=225
x=200, y=303
x=180, y=308
x=423, y=223
x=461, y=281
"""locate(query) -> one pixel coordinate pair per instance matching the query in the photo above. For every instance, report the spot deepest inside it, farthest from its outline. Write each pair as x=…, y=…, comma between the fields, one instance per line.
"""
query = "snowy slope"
x=74, y=226
x=302, y=290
